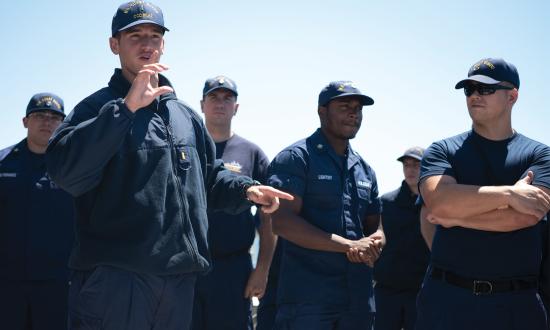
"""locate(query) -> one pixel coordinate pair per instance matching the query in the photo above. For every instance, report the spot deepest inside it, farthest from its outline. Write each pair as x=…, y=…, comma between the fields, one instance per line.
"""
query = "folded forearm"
x=502, y=220
x=463, y=201
x=300, y=232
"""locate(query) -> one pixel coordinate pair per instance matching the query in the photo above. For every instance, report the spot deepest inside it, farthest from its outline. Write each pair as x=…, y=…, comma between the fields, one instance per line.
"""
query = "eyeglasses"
x=43, y=116
x=483, y=89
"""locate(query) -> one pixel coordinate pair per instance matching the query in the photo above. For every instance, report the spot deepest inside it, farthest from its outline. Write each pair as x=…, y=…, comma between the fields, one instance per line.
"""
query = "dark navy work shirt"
x=337, y=194
x=36, y=219
x=405, y=257
x=473, y=160
x=230, y=234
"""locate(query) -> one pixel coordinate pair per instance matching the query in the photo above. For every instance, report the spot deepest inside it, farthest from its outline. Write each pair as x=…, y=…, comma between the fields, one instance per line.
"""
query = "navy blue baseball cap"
x=491, y=71
x=337, y=89
x=46, y=102
x=218, y=82
x=134, y=13
x=412, y=152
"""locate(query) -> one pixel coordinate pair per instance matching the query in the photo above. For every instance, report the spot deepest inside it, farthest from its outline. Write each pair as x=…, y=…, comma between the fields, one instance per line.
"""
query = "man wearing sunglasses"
x=486, y=191
x=36, y=226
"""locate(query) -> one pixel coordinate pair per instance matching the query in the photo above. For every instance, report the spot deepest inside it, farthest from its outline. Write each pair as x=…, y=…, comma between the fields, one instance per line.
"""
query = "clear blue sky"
x=406, y=55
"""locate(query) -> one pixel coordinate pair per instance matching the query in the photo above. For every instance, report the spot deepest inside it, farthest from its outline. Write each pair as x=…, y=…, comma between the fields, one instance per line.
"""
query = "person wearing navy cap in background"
x=332, y=229
x=486, y=190
x=142, y=168
x=36, y=227
x=222, y=297
x=399, y=271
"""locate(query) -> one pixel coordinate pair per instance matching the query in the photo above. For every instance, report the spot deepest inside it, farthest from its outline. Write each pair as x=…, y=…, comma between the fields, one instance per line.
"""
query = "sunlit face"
x=411, y=170
x=137, y=46
x=485, y=109
x=219, y=107
x=341, y=118
x=40, y=126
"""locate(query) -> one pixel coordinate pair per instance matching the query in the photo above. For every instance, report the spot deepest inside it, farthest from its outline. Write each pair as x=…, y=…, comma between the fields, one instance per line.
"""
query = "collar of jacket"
x=406, y=198
x=321, y=145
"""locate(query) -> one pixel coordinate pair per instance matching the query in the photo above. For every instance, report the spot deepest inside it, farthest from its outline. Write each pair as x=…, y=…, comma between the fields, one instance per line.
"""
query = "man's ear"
x=202, y=106
x=113, y=43
x=322, y=111
x=25, y=122
x=236, y=109
x=513, y=96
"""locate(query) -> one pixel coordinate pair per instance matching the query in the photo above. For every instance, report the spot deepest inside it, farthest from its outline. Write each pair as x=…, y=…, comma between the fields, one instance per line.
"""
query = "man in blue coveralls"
x=332, y=229
x=36, y=227
x=222, y=297
x=142, y=168
x=486, y=189
x=399, y=271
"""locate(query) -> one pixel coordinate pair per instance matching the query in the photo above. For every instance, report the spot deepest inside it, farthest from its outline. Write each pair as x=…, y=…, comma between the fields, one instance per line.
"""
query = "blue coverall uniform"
x=317, y=289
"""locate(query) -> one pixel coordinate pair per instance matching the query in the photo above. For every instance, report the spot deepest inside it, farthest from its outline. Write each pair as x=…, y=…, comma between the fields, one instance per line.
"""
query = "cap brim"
x=220, y=87
x=145, y=21
x=46, y=109
x=479, y=78
x=365, y=100
x=409, y=156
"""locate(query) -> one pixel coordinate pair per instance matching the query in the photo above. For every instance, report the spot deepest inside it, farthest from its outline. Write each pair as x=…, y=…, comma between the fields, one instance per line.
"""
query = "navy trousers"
x=395, y=308
x=442, y=306
x=321, y=317
x=219, y=295
x=36, y=305
x=110, y=298
x=267, y=310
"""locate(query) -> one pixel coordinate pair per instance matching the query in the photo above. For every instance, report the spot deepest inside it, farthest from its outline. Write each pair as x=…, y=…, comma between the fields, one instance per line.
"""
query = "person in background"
x=36, y=226
x=399, y=271
x=222, y=297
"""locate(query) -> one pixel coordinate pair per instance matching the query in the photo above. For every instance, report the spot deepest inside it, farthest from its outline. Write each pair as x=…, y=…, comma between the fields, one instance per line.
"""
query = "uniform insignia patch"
x=234, y=166
x=364, y=184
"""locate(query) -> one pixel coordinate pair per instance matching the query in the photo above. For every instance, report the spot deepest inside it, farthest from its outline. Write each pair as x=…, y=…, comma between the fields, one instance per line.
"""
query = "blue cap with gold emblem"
x=337, y=89
x=219, y=82
x=491, y=71
x=46, y=102
x=134, y=13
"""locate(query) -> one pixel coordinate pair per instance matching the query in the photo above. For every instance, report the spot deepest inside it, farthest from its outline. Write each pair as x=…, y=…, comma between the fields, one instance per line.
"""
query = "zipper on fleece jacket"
x=183, y=201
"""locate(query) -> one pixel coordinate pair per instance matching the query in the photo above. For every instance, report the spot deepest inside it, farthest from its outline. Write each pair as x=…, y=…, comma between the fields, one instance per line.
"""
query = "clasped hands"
x=365, y=250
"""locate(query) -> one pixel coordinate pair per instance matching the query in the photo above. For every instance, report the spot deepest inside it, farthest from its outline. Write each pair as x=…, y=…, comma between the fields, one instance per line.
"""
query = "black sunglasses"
x=483, y=89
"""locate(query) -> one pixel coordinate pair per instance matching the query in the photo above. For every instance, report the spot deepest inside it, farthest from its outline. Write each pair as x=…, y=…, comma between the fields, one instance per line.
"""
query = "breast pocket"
x=363, y=194
x=184, y=161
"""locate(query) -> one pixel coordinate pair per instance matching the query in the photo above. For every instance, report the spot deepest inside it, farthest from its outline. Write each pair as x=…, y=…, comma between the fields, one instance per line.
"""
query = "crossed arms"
x=489, y=208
